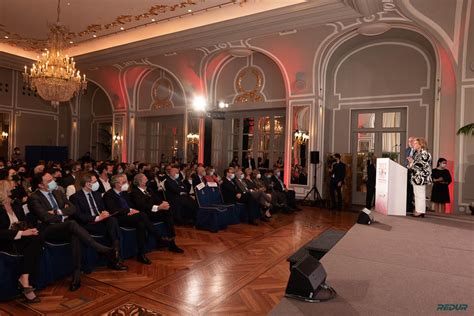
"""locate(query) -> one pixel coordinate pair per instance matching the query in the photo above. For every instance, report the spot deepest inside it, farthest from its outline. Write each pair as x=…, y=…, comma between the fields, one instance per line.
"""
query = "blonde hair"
x=5, y=187
x=422, y=142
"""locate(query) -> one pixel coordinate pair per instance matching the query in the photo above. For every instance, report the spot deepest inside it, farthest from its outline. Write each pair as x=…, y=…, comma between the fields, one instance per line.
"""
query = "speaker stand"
x=317, y=199
x=324, y=293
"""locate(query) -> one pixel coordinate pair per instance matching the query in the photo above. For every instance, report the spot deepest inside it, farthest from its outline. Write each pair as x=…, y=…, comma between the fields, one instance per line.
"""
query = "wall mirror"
x=300, y=117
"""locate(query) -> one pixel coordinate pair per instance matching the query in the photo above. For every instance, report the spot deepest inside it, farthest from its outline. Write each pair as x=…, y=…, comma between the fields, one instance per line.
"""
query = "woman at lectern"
x=420, y=164
x=441, y=180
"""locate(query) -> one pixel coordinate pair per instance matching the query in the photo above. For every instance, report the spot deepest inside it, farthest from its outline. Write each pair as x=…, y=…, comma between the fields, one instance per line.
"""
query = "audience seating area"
x=56, y=261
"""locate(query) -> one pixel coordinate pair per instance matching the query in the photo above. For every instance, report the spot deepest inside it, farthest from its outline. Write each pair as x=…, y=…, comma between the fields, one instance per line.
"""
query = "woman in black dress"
x=440, y=192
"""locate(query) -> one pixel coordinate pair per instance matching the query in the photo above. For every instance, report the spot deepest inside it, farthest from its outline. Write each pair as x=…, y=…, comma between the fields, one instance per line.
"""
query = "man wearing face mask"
x=279, y=186
x=199, y=176
x=52, y=210
x=178, y=197
x=105, y=173
x=92, y=215
x=233, y=192
x=118, y=201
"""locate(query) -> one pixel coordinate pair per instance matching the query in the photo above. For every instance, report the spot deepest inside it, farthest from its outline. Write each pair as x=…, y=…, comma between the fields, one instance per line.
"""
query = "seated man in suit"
x=232, y=194
x=104, y=172
x=178, y=197
x=259, y=196
x=157, y=210
x=199, y=176
x=118, y=201
x=92, y=215
x=52, y=209
x=279, y=186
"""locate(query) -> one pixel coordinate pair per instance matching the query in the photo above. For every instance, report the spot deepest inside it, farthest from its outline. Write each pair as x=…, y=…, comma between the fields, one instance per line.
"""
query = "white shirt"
x=106, y=184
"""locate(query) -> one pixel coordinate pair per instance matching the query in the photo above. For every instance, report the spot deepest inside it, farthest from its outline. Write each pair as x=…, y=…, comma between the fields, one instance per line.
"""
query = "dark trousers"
x=109, y=228
x=142, y=224
x=185, y=209
x=71, y=231
x=336, y=195
x=369, y=197
x=165, y=217
x=28, y=246
x=410, y=194
x=251, y=206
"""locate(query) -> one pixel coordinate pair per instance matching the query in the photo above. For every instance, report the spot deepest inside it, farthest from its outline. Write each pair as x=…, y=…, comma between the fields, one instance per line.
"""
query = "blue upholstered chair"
x=212, y=217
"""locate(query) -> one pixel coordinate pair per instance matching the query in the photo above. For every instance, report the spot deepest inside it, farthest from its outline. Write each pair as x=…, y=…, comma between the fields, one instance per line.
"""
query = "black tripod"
x=317, y=199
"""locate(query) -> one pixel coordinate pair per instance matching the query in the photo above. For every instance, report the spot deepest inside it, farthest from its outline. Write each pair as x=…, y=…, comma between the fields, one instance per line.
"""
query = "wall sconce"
x=116, y=138
x=192, y=138
x=4, y=135
x=301, y=137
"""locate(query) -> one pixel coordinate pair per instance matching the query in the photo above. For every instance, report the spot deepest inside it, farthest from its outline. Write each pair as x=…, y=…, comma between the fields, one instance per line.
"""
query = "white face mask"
x=95, y=186
x=242, y=176
x=211, y=173
x=176, y=176
x=258, y=176
x=232, y=176
x=124, y=187
x=278, y=174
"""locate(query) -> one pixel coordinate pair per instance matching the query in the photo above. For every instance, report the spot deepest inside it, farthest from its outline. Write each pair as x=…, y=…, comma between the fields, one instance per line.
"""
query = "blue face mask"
x=52, y=186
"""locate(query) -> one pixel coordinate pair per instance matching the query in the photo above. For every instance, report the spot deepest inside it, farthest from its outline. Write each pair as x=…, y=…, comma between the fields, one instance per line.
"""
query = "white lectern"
x=390, y=188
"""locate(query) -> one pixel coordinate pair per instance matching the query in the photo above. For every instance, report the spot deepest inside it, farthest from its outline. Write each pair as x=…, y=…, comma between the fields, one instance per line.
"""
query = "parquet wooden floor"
x=239, y=271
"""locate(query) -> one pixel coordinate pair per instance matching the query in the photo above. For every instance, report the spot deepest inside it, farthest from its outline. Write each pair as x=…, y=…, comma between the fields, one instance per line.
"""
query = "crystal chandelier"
x=192, y=138
x=301, y=137
x=54, y=75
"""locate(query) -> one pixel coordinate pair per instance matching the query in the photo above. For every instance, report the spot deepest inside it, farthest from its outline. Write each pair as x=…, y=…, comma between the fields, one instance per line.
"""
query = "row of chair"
x=56, y=260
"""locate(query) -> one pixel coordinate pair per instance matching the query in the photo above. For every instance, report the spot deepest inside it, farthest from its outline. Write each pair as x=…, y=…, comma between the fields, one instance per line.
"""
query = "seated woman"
x=18, y=239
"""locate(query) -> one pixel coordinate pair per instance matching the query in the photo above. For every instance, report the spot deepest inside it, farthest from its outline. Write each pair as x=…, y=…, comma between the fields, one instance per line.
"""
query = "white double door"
x=379, y=132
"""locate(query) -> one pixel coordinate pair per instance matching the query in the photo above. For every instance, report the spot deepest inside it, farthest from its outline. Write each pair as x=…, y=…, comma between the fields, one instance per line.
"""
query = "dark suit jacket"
x=112, y=202
x=277, y=185
x=407, y=154
x=67, y=180
x=142, y=202
x=229, y=191
x=338, y=172
x=245, y=163
x=83, y=212
x=197, y=180
x=174, y=188
x=5, y=232
x=39, y=206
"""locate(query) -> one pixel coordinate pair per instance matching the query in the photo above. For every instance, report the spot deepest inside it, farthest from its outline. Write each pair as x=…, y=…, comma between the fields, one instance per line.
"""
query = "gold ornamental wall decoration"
x=249, y=95
x=161, y=93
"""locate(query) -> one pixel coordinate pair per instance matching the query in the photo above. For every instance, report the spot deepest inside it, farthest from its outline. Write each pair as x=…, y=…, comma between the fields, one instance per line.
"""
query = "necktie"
x=52, y=200
x=123, y=201
x=93, y=207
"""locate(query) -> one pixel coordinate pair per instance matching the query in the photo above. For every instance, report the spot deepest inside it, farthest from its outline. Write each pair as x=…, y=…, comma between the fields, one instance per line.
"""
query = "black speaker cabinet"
x=314, y=157
x=308, y=281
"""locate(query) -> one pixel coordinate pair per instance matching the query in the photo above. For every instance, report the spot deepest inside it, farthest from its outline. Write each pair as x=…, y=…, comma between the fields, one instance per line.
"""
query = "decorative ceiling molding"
x=150, y=16
x=302, y=15
x=451, y=43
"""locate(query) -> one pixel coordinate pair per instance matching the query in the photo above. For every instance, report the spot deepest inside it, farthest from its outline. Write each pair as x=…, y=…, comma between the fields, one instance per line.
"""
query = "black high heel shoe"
x=27, y=290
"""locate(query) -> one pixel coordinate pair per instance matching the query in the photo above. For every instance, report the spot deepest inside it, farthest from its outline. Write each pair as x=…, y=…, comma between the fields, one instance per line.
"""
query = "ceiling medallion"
x=253, y=94
x=373, y=29
x=161, y=93
x=54, y=76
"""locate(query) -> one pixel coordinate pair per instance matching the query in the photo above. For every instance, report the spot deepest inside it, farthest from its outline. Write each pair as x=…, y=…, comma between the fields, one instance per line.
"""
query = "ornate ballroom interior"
x=209, y=81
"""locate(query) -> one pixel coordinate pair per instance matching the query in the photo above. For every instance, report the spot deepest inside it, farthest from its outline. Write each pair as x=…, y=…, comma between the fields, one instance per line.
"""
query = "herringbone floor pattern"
x=239, y=271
